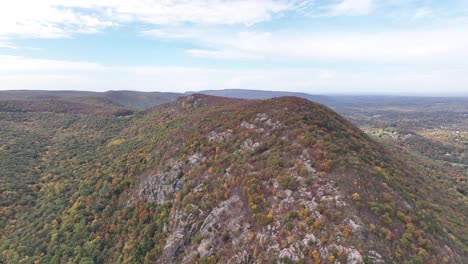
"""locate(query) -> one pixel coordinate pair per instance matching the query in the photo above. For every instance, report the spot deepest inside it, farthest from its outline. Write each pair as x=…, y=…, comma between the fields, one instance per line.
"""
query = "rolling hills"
x=130, y=99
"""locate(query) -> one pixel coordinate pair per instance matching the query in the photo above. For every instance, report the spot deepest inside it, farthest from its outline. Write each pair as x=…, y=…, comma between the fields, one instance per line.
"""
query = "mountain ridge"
x=131, y=99
x=210, y=179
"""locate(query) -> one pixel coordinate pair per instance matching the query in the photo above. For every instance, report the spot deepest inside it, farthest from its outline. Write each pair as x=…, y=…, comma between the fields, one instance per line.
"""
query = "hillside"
x=210, y=179
x=93, y=105
x=433, y=129
x=130, y=99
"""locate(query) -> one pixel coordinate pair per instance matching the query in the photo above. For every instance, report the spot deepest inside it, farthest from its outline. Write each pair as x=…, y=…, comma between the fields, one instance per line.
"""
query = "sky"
x=405, y=47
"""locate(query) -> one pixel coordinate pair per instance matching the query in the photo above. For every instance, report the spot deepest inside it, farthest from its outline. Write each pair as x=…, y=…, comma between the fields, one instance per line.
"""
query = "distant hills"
x=130, y=99
x=142, y=100
x=75, y=105
x=136, y=100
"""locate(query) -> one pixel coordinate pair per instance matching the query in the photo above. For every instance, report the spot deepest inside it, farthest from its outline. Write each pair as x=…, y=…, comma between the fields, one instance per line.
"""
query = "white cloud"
x=50, y=81
x=5, y=44
x=61, y=18
x=208, y=12
x=221, y=54
x=352, y=7
x=45, y=19
x=409, y=46
x=413, y=52
x=16, y=63
x=421, y=13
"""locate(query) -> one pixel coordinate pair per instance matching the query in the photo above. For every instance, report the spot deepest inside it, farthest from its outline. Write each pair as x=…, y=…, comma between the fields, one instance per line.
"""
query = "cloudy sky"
x=314, y=46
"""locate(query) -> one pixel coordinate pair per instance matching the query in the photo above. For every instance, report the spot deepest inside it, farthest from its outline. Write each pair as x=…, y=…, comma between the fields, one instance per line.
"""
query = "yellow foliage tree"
x=315, y=256
x=356, y=197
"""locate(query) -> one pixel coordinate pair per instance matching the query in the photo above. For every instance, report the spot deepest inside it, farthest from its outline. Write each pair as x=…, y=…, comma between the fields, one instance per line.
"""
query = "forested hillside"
x=215, y=180
x=131, y=99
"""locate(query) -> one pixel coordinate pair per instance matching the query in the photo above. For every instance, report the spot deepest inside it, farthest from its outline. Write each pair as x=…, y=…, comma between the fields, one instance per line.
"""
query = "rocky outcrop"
x=214, y=136
x=262, y=123
x=160, y=186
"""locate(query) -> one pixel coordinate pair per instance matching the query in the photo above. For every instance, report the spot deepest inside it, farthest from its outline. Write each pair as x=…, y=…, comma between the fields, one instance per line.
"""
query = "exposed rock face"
x=158, y=187
x=220, y=136
x=262, y=124
x=226, y=219
x=263, y=118
x=354, y=257
x=191, y=102
x=226, y=208
x=291, y=253
x=195, y=159
x=249, y=144
x=227, y=224
x=247, y=125
x=375, y=257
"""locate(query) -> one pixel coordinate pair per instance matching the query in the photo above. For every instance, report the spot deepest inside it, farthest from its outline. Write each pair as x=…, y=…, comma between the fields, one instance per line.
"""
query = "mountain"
x=141, y=100
x=41, y=94
x=261, y=94
x=208, y=179
x=92, y=105
x=130, y=99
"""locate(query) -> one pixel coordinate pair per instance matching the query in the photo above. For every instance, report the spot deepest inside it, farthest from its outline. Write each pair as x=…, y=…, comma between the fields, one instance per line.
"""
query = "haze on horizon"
x=398, y=47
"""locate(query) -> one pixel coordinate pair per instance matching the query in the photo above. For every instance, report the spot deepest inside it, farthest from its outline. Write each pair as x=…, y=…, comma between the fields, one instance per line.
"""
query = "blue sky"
x=403, y=47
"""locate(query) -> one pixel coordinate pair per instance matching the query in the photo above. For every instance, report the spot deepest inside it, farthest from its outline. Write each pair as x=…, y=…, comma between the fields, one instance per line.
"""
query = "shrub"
x=287, y=182
x=289, y=225
x=386, y=218
x=293, y=215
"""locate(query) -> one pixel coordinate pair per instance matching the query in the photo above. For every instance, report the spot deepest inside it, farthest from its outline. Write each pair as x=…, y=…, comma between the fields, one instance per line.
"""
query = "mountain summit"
x=209, y=179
